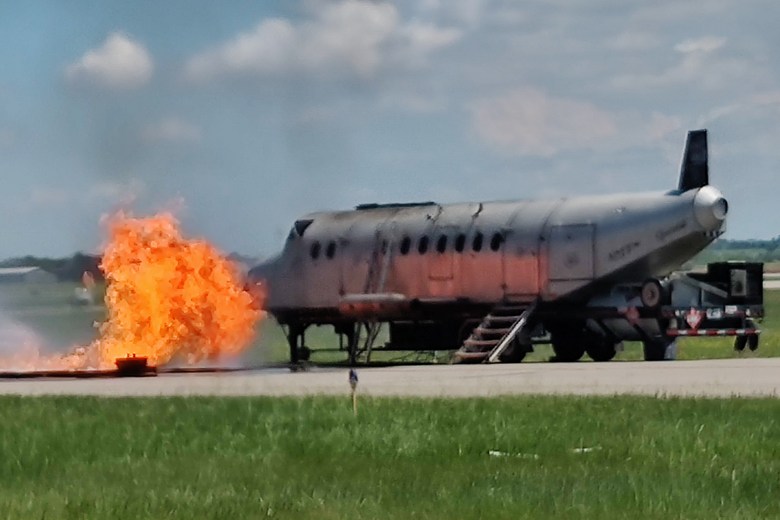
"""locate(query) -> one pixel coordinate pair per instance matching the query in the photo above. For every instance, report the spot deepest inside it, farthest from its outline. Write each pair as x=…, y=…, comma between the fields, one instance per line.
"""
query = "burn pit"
x=167, y=298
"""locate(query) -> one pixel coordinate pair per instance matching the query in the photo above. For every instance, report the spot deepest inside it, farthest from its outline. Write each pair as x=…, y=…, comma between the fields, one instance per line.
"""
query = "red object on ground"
x=133, y=366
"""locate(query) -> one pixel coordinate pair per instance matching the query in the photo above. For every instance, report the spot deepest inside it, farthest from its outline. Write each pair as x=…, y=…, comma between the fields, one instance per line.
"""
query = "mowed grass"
x=528, y=457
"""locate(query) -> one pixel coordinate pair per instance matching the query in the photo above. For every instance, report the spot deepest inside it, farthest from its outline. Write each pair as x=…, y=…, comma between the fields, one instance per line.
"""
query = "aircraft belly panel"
x=571, y=252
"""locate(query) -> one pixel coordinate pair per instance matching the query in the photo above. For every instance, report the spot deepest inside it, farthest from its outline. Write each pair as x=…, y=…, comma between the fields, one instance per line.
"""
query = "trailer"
x=725, y=300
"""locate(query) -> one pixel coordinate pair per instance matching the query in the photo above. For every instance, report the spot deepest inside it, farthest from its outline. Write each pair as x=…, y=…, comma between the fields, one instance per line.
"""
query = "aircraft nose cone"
x=710, y=208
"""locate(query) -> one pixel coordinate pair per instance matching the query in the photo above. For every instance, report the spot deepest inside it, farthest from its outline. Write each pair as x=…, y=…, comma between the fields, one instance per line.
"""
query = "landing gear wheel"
x=603, y=351
x=652, y=293
x=740, y=342
x=304, y=353
x=655, y=349
x=752, y=342
x=515, y=354
x=568, y=347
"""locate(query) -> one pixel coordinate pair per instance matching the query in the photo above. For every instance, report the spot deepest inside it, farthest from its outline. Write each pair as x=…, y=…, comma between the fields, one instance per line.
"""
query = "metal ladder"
x=375, y=283
x=495, y=333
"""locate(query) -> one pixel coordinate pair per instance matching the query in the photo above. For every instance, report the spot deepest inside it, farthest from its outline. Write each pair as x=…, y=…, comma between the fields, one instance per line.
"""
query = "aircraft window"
x=441, y=244
x=331, y=249
x=476, y=244
x=315, y=250
x=300, y=226
x=406, y=243
x=460, y=243
x=422, y=245
x=496, y=241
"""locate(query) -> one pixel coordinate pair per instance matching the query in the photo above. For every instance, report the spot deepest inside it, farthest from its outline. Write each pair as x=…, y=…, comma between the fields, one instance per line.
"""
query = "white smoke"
x=14, y=335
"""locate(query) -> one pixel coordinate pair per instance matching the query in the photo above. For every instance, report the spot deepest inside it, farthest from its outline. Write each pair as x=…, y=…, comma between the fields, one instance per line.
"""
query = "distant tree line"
x=66, y=269
x=752, y=243
x=753, y=250
x=72, y=268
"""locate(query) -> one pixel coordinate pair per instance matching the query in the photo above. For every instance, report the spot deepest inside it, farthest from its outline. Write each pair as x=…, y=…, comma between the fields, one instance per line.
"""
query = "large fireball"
x=170, y=297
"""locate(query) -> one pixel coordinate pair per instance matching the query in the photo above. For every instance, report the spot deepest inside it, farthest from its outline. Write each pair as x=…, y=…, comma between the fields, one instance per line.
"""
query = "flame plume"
x=166, y=298
x=170, y=297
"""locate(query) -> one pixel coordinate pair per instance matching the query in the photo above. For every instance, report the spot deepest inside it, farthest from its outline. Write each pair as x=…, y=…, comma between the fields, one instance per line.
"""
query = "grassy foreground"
x=311, y=458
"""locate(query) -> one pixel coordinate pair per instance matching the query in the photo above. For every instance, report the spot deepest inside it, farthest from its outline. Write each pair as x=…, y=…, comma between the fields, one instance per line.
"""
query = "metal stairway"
x=491, y=338
x=378, y=268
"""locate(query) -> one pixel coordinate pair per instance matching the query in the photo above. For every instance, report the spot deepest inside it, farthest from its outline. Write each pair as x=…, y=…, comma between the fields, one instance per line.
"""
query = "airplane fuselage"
x=490, y=272
x=512, y=251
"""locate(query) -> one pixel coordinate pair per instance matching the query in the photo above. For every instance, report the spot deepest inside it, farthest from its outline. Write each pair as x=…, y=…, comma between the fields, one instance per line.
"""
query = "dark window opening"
x=330, y=251
x=460, y=243
x=315, y=250
x=422, y=245
x=476, y=245
x=441, y=244
x=496, y=241
x=301, y=226
x=406, y=243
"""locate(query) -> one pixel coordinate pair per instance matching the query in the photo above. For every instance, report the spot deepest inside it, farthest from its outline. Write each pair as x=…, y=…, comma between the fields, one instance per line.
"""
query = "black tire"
x=654, y=349
x=601, y=352
x=515, y=354
x=568, y=346
x=752, y=342
x=304, y=353
x=652, y=293
x=740, y=342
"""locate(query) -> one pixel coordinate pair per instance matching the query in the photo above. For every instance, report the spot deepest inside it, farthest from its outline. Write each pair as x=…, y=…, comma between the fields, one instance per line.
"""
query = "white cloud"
x=424, y=38
x=654, y=130
x=705, y=44
x=171, y=129
x=50, y=197
x=698, y=64
x=468, y=12
x=770, y=98
x=106, y=191
x=528, y=121
x=635, y=41
x=350, y=36
x=116, y=192
x=763, y=106
x=120, y=63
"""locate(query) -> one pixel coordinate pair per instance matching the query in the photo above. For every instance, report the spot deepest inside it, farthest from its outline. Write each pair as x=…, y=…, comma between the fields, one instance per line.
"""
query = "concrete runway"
x=722, y=378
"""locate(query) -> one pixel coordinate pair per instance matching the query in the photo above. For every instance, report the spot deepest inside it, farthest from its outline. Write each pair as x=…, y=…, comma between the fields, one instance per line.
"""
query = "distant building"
x=25, y=275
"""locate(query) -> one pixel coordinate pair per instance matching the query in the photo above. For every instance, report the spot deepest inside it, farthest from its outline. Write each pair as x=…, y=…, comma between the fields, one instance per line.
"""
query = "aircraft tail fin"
x=694, y=170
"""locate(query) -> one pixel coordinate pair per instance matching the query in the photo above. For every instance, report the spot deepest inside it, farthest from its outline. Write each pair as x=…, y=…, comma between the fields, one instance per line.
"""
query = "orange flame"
x=167, y=296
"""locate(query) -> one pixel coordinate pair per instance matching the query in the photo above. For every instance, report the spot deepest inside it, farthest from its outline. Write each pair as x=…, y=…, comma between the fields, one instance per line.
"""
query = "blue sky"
x=241, y=116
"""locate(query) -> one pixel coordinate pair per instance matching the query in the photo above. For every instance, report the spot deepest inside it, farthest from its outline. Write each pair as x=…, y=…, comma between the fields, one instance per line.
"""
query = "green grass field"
x=519, y=457
x=524, y=457
x=59, y=324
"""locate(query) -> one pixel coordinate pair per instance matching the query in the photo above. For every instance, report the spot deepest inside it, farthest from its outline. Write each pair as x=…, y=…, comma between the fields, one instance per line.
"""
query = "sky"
x=241, y=116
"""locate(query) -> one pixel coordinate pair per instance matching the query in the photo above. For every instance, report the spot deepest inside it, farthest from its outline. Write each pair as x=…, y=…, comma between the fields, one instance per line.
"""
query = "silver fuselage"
x=568, y=248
